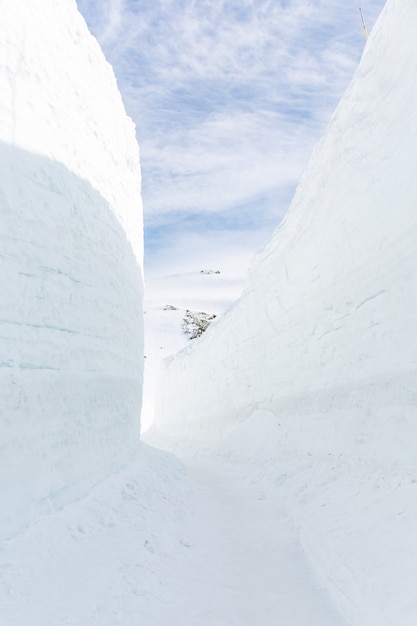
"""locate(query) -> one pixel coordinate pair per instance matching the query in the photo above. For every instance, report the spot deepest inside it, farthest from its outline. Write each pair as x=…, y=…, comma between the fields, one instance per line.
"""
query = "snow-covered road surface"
x=158, y=545
x=245, y=566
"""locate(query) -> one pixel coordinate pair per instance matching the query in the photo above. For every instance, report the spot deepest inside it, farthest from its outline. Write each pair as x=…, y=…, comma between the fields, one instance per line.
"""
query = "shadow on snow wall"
x=71, y=339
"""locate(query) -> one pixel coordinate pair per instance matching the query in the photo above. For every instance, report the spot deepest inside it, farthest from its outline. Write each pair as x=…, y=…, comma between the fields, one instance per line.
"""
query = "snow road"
x=245, y=565
x=151, y=547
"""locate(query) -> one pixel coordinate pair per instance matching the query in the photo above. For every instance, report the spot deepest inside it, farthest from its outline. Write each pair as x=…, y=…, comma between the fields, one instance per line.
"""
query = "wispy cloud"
x=229, y=96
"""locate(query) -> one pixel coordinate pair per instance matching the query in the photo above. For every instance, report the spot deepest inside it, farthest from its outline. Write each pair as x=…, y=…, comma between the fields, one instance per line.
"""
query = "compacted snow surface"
x=153, y=545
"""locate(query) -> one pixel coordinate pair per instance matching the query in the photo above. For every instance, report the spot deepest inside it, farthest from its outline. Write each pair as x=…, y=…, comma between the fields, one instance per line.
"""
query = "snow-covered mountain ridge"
x=203, y=293
x=320, y=351
x=71, y=329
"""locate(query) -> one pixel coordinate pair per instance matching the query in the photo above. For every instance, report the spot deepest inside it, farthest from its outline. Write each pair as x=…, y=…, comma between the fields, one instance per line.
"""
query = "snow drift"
x=71, y=347
x=323, y=342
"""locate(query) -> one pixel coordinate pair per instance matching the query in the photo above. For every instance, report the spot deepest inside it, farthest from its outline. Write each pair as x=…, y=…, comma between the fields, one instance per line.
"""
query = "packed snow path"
x=245, y=566
x=158, y=545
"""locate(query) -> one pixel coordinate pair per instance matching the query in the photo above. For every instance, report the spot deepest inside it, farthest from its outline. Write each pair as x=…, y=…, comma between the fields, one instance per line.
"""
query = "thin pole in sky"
x=363, y=24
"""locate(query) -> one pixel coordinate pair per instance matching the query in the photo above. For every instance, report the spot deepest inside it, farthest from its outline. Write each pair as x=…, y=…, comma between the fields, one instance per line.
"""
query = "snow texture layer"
x=71, y=346
x=324, y=340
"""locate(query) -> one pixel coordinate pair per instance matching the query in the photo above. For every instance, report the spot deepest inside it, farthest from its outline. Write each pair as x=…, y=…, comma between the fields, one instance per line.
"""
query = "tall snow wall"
x=71, y=345
x=324, y=335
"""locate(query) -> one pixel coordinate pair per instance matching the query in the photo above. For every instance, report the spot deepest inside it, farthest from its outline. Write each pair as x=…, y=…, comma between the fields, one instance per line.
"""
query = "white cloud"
x=225, y=161
x=229, y=96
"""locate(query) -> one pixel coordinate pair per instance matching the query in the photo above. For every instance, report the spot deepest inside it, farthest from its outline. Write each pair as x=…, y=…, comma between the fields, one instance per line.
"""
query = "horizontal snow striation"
x=71, y=319
x=70, y=339
x=324, y=336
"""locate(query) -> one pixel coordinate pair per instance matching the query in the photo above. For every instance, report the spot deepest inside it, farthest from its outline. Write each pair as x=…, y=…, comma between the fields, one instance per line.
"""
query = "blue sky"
x=229, y=98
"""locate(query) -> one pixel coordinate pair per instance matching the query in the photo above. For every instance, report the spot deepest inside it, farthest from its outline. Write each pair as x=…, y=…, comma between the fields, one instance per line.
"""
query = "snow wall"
x=325, y=331
x=71, y=345
x=320, y=353
x=319, y=356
